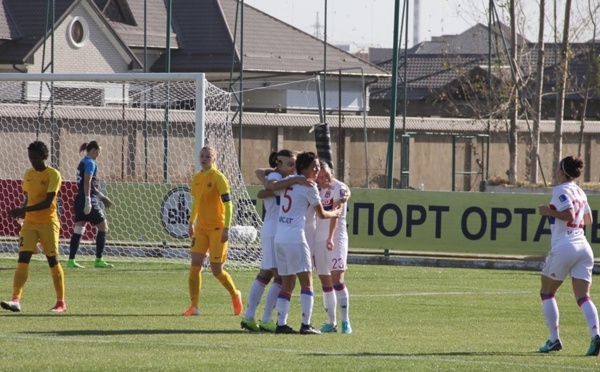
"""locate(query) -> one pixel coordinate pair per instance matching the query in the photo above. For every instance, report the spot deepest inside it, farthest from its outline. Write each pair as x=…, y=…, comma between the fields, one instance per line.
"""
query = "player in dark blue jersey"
x=87, y=206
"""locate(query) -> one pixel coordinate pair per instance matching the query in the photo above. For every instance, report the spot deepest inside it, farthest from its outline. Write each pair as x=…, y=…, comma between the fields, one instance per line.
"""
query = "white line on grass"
x=417, y=294
x=425, y=357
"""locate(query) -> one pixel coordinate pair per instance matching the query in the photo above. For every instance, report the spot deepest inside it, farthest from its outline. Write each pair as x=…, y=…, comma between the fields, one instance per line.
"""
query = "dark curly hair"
x=39, y=148
x=571, y=166
x=304, y=160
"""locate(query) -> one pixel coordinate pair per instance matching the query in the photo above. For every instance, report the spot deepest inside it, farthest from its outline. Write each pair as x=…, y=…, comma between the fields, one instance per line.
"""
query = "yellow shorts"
x=209, y=240
x=45, y=233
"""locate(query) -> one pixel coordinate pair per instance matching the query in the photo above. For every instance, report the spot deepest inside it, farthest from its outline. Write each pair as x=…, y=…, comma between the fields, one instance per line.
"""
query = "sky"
x=371, y=22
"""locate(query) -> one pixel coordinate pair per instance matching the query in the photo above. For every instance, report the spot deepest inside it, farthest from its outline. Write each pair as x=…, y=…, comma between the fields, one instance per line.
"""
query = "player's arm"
x=20, y=211
x=225, y=192
x=332, y=228
x=322, y=213
x=44, y=204
x=587, y=216
x=262, y=173
x=567, y=215
x=263, y=194
x=275, y=185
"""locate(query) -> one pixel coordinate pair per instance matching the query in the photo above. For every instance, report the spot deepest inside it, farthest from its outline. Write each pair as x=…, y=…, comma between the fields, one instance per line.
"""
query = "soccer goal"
x=150, y=128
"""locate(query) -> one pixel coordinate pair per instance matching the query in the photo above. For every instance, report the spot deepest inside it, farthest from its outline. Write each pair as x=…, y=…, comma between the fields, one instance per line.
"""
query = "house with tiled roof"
x=448, y=76
x=280, y=62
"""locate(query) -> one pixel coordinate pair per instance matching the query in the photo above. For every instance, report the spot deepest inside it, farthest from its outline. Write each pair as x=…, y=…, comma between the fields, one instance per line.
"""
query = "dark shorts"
x=95, y=217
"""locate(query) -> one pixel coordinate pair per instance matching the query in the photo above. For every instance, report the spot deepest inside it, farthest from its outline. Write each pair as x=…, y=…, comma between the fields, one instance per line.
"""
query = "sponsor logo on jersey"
x=562, y=198
x=286, y=220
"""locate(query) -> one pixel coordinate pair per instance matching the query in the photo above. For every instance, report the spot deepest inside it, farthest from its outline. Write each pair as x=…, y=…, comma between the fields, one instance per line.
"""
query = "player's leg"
x=28, y=238
x=78, y=231
x=303, y=268
x=254, y=295
x=49, y=234
x=259, y=284
x=582, y=279
x=323, y=269
x=553, y=275
x=218, y=256
x=98, y=219
x=338, y=259
x=198, y=249
x=284, y=256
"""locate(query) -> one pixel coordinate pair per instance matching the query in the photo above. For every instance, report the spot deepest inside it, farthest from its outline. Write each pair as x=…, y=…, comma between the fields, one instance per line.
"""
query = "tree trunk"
x=514, y=105
x=561, y=90
x=539, y=88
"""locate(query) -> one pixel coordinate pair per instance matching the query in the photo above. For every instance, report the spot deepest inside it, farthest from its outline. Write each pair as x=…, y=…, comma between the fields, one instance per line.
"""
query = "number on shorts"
x=338, y=264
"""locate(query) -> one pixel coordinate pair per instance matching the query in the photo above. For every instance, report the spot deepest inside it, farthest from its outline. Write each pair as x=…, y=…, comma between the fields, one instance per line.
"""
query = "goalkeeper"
x=210, y=219
x=87, y=206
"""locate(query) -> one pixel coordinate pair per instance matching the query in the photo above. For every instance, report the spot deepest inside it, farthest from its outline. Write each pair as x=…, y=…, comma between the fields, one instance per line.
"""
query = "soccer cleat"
x=60, y=307
x=307, y=329
x=237, y=303
x=250, y=325
x=346, y=328
x=329, y=328
x=283, y=329
x=192, y=311
x=268, y=326
x=101, y=264
x=72, y=264
x=594, y=349
x=11, y=305
x=551, y=346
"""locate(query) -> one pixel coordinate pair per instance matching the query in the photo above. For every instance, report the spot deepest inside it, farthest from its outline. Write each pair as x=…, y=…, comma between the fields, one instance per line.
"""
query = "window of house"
x=78, y=32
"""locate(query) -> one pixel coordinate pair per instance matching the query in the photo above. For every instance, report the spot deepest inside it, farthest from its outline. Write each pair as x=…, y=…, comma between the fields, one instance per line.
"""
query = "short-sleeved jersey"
x=329, y=196
x=271, y=205
x=295, y=202
x=210, y=189
x=568, y=196
x=37, y=185
x=88, y=166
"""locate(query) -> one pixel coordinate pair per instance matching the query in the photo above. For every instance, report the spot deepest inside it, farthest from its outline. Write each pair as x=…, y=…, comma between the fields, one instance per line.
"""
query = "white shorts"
x=292, y=258
x=268, y=261
x=575, y=259
x=326, y=261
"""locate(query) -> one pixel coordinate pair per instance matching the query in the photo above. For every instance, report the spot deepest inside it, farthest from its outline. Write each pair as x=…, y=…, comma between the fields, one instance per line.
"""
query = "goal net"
x=150, y=128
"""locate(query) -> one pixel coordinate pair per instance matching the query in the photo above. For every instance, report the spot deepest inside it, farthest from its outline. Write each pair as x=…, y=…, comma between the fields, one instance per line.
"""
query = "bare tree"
x=537, y=97
x=592, y=72
x=561, y=89
x=514, y=102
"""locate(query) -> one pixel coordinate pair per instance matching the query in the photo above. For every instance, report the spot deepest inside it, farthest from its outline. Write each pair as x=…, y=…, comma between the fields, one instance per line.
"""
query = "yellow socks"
x=194, y=282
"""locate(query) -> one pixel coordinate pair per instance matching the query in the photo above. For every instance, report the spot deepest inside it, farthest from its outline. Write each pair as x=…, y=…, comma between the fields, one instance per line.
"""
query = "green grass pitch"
x=404, y=319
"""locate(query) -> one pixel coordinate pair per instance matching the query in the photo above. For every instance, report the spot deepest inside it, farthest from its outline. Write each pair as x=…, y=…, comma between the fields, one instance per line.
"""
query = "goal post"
x=150, y=128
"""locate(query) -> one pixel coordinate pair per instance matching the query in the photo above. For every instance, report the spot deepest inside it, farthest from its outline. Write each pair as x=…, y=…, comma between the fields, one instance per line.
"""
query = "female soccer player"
x=40, y=185
x=87, y=207
x=292, y=252
x=570, y=254
x=283, y=164
x=210, y=220
x=331, y=250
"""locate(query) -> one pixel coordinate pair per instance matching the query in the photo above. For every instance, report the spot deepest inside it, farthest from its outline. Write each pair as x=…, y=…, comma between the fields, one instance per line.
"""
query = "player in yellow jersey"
x=40, y=185
x=210, y=220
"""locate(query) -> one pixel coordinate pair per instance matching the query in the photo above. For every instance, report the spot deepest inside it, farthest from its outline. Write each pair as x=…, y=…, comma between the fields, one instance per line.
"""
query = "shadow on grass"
x=440, y=354
x=129, y=332
x=63, y=315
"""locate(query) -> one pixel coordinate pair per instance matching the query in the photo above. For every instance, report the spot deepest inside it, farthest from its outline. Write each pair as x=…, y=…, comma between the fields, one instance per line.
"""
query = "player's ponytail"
x=88, y=146
x=273, y=159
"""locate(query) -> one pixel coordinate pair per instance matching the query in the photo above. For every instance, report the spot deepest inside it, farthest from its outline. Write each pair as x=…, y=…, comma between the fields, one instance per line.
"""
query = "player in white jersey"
x=571, y=254
x=283, y=164
x=291, y=248
x=331, y=250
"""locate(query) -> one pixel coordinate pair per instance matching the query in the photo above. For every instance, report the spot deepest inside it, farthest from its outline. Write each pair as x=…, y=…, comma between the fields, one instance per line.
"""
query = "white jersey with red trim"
x=565, y=196
x=329, y=196
x=271, y=205
x=295, y=203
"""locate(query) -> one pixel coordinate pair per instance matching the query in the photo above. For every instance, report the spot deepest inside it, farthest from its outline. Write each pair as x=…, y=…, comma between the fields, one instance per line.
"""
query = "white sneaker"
x=11, y=305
